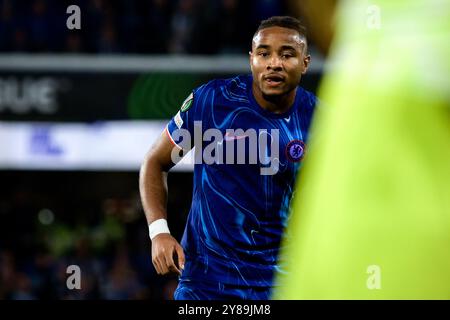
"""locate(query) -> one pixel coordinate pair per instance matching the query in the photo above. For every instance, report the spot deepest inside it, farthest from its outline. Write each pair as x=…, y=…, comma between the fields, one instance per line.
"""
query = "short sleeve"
x=195, y=107
x=180, y=127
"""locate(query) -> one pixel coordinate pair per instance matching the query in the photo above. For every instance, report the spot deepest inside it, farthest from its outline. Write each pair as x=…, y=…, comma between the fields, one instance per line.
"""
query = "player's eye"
x=287, y=55
x=263, y=54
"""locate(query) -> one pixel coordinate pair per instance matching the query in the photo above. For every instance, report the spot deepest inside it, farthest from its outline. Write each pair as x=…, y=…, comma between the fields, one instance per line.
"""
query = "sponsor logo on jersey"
x=231, y=136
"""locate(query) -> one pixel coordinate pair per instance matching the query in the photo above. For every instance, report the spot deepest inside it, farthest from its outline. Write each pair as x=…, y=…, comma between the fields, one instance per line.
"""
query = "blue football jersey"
x=238, y=213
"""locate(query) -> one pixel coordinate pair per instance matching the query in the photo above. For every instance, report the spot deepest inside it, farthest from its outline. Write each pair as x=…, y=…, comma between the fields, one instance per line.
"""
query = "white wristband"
x=157, y=227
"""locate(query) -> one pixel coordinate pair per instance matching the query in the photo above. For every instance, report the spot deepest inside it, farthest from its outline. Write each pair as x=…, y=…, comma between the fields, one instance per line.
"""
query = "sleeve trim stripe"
x=170, y=137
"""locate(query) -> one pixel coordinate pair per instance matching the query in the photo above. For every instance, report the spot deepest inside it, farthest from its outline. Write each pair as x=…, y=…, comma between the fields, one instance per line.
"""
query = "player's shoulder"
x=307, y=98
x=233, y=87
x=237, y=83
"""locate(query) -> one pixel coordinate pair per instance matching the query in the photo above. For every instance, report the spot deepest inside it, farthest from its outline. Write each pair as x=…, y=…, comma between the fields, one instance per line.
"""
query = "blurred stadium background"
x=78, y=111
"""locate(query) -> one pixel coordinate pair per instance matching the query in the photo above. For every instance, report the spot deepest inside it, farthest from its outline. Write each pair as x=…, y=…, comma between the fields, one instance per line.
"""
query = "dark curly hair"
x=283, y=22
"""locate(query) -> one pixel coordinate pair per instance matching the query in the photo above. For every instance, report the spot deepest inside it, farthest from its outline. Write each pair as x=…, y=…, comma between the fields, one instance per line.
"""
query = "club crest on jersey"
x=295, y=150
x=187, y=103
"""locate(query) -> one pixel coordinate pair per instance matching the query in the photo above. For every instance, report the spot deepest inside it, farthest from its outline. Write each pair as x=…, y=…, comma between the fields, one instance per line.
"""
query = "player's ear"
x=306, y=62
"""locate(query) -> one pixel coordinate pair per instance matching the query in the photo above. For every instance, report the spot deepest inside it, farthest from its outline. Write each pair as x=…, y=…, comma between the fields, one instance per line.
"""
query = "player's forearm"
x=153, y=190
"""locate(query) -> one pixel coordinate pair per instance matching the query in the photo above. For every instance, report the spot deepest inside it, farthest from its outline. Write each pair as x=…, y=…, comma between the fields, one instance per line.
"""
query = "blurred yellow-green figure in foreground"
x=371, y=217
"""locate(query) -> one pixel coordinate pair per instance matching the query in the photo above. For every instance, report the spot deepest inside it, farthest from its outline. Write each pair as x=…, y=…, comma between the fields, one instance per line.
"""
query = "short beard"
x=276, y=98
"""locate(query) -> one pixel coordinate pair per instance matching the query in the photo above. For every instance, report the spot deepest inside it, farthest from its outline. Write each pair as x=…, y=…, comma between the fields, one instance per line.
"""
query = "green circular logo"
x=187, y=103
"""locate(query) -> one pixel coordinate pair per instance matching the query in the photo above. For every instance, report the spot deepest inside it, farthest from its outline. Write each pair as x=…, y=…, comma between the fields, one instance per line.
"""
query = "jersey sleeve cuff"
x=170, y=137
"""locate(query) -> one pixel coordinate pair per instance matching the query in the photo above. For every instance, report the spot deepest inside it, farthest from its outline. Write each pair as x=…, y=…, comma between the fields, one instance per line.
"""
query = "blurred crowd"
x=134, y=26
x=94, y=222
x=113, y=257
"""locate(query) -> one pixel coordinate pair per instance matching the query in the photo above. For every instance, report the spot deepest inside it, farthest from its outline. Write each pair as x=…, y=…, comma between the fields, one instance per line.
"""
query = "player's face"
x=278, y=59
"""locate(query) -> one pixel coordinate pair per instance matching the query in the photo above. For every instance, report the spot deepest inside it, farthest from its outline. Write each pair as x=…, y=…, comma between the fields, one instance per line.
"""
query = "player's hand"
x=167, y=254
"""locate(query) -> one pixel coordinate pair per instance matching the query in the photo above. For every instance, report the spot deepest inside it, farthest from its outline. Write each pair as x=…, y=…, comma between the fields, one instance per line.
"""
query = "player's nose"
x=274, y=63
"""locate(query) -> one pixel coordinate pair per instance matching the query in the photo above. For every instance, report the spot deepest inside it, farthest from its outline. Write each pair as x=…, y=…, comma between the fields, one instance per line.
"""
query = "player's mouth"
x=273, y=80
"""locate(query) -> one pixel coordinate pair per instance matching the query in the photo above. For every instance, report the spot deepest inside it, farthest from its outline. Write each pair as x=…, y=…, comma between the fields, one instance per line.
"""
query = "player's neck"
x=275, y=104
